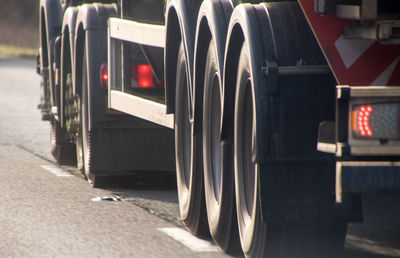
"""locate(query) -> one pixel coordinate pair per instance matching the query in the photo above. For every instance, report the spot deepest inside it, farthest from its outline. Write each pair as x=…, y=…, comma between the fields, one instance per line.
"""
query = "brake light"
x=363, y=120
x=104, y=76
x=142, y=76
x=376, y=121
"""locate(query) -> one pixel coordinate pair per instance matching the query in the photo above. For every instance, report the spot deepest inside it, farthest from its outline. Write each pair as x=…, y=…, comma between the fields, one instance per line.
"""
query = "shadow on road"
x=151, y=181
x=363, y=254
x=377, y=237
x=155, y=192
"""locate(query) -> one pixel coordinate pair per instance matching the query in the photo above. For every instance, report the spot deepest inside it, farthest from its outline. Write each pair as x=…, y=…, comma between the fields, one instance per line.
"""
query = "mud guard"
x=91, y=34
x=180, y=25
x=68, y=35
x=50, y=23
x=287, y=164
x=209, y=24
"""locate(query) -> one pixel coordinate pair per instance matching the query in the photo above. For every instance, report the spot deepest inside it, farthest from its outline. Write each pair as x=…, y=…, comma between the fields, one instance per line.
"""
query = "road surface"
x=48, y=211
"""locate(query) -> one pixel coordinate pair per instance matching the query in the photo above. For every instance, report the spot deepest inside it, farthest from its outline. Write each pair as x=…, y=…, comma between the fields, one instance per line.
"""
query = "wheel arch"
x=260, y=27
x=244, y=27
x=44, y=52
x=88, y=17
x=180, y=26
x=78, y=54
x=91, y=34
x=212, y=23
x=49, y=28
x=50, y=22
x=69, y=24
x=67, y=52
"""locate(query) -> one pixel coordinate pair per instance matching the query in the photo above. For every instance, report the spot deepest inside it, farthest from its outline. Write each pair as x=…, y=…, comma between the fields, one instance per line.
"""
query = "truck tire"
x=62, y=149
x=189, y=171
x=252, y=229
x=218, y=163
x=260, y=238
x=78, y=136
x=86, y=142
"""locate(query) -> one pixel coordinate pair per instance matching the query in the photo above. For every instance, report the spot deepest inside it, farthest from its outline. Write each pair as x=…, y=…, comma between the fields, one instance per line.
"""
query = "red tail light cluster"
x=376, y=121
x=363, y=120
x=142, y=76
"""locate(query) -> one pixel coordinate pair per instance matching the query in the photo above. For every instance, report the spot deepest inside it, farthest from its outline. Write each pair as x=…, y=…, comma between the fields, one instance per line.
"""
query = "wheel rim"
x=79, y=150
x=85, y=148
x=186, y=138
x=252, y=230
x=248, y=145
x=53, y=140
x=84, y=117
x=215, y=143
x=217, y=160
x=188, y=157
x=247, y=169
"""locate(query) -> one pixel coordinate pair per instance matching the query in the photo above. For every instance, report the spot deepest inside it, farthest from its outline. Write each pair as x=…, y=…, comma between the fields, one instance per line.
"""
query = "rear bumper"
x=361, y=177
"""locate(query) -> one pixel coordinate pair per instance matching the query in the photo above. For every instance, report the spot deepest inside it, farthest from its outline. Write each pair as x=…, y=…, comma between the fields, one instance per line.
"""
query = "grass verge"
x=20, y=52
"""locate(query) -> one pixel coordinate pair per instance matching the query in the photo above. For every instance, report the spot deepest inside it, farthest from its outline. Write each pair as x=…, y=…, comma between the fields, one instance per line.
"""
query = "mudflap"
x=294, y=192
x=128, y=147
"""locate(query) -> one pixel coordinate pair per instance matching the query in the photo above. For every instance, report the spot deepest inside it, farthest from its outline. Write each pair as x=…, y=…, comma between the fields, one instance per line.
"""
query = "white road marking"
x=193, y=243
x=56, y=171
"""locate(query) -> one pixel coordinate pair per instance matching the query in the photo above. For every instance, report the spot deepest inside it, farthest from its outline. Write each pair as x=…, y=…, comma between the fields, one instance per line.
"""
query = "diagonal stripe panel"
x=353, y=61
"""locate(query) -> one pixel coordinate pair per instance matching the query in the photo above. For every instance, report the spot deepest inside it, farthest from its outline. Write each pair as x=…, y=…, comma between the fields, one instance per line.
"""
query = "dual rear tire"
x=189, y=167
x=218, y=161
x=234, y=180
x=259, y=237
x=252, y=229
x=85, y=141
x=62, y=149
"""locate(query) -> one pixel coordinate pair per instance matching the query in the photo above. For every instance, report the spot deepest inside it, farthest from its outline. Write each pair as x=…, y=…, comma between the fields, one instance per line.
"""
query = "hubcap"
x=186, y=139
x=248, y=145
x=216, y=149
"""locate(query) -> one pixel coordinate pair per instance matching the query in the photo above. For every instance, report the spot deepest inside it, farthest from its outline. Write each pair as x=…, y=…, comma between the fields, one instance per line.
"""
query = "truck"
x=275, y=115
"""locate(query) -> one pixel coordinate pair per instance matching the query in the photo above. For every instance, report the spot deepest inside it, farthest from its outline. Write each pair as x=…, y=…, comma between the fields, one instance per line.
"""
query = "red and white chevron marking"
x=356, y=62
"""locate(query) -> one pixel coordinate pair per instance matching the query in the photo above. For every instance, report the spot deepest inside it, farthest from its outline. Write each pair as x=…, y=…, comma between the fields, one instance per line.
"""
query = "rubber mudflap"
x=132, y=147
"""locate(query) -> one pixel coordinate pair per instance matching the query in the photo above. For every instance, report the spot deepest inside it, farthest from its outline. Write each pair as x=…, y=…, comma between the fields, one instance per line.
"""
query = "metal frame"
x=373, y=25
x=140, y=33
x=300, y=70
x=143, y=34
x=140, y=107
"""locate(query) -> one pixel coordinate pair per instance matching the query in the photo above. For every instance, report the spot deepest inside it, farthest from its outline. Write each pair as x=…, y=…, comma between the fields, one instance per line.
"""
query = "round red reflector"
x=143, y=75
x=104, y=76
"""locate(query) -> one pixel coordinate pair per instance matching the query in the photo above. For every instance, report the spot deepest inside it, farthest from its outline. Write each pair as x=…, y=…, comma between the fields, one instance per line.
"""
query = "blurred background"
x=19, y=27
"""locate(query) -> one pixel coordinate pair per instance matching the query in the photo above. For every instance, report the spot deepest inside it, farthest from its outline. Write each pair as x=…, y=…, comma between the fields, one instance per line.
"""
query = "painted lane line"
x=193, y=243
x=56, y=171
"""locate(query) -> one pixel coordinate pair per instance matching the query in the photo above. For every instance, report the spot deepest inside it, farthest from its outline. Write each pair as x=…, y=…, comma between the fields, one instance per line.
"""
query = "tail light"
x=367, y=121
x=142, y=76
x=376, y=121
x=104, y=76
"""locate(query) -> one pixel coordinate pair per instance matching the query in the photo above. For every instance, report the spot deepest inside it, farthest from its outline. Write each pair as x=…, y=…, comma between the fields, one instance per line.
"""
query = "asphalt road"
x=47, y=211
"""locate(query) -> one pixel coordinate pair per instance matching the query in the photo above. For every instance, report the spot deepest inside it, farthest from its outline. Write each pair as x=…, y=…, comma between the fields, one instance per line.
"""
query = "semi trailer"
x=275, y=115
